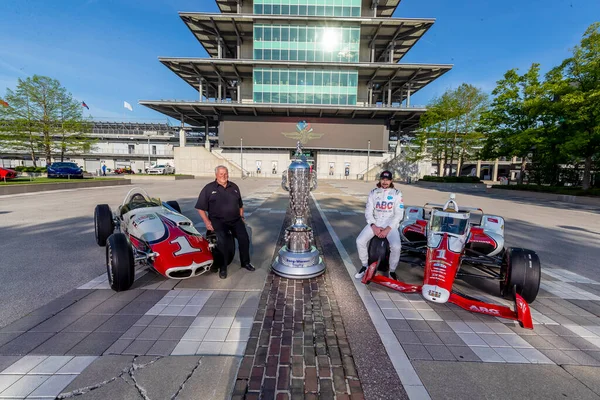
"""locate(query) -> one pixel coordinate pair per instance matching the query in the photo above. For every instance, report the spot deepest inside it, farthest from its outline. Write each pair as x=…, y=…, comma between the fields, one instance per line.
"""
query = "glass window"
x=335, y=99
x=285, y=33
x=293, y=33
x=275, y=33
x=258, y=54
x=292, y=77
x=301, y=55
x=301, y=78
x=267, y=54
x=283, y=98
x=292, y=98
x=293, y=10
x=266, y=77
x=338, y=11
x=266, y=97
x=283, y=77
x=274, y=97
x=335, y=79
x=258, y=9
x=258, y=33
x=267, y=9
x=317, y=99
x=326, y=78
x=343, y=78
x=293, y=55
x=267, y=33
x=258, y=74
x=302, y=10
x=276, y=9
x=356, y=11
x=321, y=10
x=312, y=10
x=302, y=34
x=285, y=10
x=326, y=99
x=275, y=55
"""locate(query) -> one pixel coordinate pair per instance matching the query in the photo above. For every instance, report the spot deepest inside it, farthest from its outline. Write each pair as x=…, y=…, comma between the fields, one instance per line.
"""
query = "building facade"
x=326, y=73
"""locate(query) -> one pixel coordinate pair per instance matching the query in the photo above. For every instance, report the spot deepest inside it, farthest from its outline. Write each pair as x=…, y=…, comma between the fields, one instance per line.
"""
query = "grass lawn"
x=27, y=180
x=571, y=191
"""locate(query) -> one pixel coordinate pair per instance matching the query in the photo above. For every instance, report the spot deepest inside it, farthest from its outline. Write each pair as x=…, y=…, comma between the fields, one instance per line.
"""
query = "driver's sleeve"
x=398, y=211
x=202, y=203
x=369, y=210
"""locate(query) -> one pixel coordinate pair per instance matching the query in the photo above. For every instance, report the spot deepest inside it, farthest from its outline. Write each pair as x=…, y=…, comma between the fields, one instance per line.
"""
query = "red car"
x=7, y=173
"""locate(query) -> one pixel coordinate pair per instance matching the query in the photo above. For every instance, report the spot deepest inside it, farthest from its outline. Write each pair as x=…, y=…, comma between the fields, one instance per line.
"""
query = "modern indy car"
x=147, y=232
x=444, y=240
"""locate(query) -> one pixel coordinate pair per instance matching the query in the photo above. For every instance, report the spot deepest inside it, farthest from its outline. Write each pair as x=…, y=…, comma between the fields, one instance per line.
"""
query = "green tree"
x=450, y=128
x=511, y=123
x=43, y=118
x=576, y=84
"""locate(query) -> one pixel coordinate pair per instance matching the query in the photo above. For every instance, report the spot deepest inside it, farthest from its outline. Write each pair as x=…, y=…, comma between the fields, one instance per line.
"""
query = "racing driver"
x=384, y=212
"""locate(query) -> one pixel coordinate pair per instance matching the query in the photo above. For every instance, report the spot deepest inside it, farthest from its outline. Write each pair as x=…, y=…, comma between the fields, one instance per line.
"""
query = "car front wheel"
x=103, y=223
x=120, y=266
x=520, y=268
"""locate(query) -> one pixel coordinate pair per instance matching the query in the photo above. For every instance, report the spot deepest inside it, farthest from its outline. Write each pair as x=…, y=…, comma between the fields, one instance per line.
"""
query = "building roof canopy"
x=385, y=8
x=381, y=33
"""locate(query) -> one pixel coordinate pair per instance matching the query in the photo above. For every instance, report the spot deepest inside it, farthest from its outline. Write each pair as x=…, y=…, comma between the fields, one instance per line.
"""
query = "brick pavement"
x=298, y=346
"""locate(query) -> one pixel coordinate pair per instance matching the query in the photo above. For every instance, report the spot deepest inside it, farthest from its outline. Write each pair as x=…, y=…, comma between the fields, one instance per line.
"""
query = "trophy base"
x=298, y=265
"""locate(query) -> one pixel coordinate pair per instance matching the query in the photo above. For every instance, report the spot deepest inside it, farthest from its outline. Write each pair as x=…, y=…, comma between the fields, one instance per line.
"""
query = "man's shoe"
x=361, y=273
x=249, y=267
x=393, y=276
x=223, y=273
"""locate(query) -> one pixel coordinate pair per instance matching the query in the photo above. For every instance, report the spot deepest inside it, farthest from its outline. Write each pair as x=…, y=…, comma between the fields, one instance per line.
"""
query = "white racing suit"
x=385, y=207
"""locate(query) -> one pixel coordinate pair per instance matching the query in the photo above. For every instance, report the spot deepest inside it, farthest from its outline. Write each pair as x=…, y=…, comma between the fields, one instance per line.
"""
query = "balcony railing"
x=360, y=103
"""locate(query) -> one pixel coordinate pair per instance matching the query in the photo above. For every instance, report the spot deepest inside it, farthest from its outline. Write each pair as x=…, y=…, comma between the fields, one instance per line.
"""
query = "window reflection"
x=323, y=8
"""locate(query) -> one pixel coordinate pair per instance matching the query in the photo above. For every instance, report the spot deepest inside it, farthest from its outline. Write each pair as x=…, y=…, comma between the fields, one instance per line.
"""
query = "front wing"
x=522, y=313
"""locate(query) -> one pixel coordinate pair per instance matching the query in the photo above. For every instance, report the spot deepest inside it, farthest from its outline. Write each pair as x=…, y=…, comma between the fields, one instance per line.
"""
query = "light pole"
x=368, y=156
x=241, y=156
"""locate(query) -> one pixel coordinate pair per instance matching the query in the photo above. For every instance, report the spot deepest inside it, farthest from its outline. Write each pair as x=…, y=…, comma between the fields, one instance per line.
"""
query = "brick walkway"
x=298, y=346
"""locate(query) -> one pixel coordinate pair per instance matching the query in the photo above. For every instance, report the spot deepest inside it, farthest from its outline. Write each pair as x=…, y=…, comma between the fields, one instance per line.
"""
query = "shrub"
x=19, y=168
x=29, y=169
x=451, y=179
x=40, y=170
x=571, y=191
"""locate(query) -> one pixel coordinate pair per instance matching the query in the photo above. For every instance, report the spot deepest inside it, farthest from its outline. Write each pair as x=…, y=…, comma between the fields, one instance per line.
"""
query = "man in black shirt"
x=222, y=201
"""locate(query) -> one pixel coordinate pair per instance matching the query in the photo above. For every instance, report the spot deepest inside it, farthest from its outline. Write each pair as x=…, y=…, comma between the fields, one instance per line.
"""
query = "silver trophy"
x=299, y=259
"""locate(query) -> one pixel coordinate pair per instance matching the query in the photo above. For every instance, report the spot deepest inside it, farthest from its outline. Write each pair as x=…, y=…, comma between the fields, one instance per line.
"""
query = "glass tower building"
x=276, y=65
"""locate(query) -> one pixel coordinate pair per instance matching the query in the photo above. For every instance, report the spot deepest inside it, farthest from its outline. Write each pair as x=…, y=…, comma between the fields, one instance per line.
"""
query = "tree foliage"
x=450, y=127
x=42, y=118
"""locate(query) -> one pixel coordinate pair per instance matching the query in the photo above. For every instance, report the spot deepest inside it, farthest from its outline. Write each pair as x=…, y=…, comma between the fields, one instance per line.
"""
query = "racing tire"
x=120, y=266
x=520, y=268
x=220, y=257
x=174, y=205
x=104, y=225
x=379, y=251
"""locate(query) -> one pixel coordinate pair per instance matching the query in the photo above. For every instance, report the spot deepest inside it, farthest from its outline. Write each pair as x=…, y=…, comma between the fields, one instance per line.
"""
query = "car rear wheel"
x=120, y=265
x=222, y=253
x=379, y=251
x=174, y=205
x=104, y=225
x=520, y=268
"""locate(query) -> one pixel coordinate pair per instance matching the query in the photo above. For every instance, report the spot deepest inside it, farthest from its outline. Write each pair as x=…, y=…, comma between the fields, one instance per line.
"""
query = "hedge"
x=21, y=168
x=451, y=179
x=566, y=190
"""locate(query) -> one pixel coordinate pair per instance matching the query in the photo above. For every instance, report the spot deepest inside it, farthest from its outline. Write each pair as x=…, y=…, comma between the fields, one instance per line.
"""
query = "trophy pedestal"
x=294, y=265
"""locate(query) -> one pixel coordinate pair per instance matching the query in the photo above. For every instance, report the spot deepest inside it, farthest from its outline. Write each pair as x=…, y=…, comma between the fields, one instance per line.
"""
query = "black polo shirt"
x=220, y=202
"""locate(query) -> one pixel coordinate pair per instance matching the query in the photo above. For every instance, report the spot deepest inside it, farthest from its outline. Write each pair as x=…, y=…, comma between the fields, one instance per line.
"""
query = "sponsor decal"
x=214, y=192
x=390, y=197
x=304, y=133
x=384, y=205
x=184, y=246
x=434, y=293
x=401, y=205
x=143, y=218
x=494, y=220
x=414, y=210
x=484, y=310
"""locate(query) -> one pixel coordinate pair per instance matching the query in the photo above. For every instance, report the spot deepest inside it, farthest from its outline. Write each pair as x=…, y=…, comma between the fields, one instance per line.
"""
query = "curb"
x=590, y=201
x=160, y=177
x=43, y=187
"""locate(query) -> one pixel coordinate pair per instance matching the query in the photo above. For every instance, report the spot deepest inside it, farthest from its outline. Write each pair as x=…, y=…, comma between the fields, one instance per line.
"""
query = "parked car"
x=64, y=170
x=124, y=170
x=162, y=169
x=7, y=173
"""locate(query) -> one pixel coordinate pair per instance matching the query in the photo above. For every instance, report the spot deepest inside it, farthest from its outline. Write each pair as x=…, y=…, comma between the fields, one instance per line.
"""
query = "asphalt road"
x=47, y=244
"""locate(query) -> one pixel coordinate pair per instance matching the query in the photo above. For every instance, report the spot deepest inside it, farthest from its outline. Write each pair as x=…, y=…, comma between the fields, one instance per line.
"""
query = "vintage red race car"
x=145, y=231
x=458, y=242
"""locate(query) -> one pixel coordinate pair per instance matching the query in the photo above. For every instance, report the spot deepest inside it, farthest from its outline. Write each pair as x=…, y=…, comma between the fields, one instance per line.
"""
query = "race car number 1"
x=184, y=246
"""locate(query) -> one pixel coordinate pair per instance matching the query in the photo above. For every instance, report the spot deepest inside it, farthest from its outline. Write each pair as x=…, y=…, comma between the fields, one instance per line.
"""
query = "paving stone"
x=173, y=333
x=182, y=322
x=144, y=320
x=87, y=323
x=139, y=347
x=110, y=306
x=95, y=343
x=119, y=346
x=151, y=333
x=162, y=321
x=558, y=356
x=24, y=365
x=25, y=323
x=429, y=338
x=51, y=365
x=77, y=365
x=560, y=343
x=24, y=343
x=186, y=347
x=52, y=386
x=463, y=353
x=24, y=386
x=419, y=326
x=7, y=380
x=416, y=352
x=7, y=337
x=60, y=343
x=116, y=323
x=6, y=361
x=56, y=323
x=440, y=353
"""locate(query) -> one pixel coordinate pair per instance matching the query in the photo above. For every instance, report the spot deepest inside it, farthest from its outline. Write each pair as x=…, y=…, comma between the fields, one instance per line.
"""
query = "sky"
x=106, y=51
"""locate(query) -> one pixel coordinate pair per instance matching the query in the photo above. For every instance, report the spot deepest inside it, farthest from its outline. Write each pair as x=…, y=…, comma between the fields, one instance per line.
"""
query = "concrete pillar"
x=478, y=169
x=408, y=96
x=219, y=90
x=206, y=141
x=239, y=91
x=495, y=176
x=514, y=160
x=458, y=167
x=372, y=58
x=389, y=98
x=392, y=52
x=219, y=51
x=182, y=139
x=200, y=88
